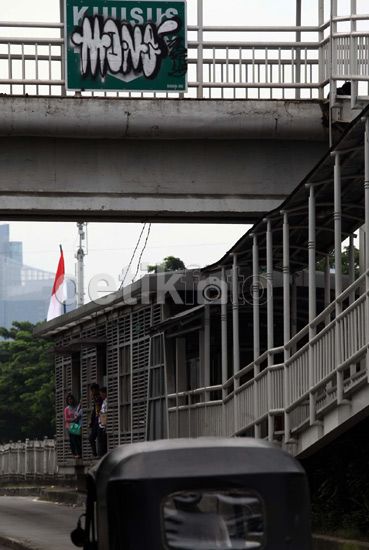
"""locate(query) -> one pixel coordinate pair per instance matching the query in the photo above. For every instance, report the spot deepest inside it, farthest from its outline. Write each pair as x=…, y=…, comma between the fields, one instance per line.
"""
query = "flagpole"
x=64, y=304
x=80, y=255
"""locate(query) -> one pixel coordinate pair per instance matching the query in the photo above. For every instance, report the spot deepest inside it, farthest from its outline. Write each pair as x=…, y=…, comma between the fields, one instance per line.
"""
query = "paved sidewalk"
x=52, y=493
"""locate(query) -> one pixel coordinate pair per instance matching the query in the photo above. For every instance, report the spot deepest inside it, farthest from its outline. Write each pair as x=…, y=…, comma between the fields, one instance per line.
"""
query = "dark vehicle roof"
x=202, y=457
x=133, y=480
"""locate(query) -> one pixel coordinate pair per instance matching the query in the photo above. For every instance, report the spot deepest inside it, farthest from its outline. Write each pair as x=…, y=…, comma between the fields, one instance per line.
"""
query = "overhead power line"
x=142, y=251
x=133, y=255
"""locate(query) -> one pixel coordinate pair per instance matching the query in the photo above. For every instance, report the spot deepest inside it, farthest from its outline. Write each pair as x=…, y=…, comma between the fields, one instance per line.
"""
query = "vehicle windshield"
x=209, y=520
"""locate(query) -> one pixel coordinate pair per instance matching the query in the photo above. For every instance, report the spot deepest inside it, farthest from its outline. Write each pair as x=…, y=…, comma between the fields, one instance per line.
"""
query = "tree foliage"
x=345, y=259
x=170, y=263
x=26, y=384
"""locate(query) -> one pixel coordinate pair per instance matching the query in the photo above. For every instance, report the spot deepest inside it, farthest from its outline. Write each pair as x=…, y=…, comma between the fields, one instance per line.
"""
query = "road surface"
x=41, y=525
x=38, y=524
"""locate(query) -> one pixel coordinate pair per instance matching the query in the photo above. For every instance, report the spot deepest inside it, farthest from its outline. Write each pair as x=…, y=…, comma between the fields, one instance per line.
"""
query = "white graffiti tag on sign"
x=110, y=46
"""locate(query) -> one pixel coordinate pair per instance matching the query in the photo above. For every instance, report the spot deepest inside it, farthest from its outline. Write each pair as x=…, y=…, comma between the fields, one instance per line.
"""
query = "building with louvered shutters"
x=157, y=347
x=118, y=343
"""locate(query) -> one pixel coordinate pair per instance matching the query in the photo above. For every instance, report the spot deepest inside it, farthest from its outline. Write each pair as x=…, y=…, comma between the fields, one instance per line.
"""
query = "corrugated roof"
x=296, y=205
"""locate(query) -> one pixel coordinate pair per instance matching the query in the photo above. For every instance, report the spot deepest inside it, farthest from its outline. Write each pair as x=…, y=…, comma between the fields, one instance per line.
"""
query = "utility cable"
x=133, y=255
x=142, y=251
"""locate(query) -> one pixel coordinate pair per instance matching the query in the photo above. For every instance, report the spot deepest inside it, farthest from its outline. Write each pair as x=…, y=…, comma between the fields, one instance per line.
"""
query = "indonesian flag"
x=57, y=306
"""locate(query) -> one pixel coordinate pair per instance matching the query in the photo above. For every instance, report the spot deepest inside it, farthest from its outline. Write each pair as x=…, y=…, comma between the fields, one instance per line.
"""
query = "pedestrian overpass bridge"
x=256, y=111
x=234, y=147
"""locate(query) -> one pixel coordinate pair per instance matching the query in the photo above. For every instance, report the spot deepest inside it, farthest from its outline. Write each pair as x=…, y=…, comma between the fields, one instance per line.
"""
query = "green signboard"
x=126, y=45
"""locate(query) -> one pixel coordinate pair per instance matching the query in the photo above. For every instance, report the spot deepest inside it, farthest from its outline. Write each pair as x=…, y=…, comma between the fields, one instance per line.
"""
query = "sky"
x=110, y=246
x=232, y=12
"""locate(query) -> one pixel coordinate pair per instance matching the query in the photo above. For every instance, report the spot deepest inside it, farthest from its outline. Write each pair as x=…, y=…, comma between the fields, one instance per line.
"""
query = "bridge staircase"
x=308, y=379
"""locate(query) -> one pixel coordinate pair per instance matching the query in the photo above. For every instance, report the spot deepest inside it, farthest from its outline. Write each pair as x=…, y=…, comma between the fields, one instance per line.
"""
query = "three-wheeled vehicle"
x=196, y=494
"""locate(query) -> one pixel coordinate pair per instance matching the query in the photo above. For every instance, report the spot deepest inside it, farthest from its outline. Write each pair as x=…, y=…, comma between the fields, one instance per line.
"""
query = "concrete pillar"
x=224, y=333
x=270, y=323
x=256, y=323
x=269, y=275
x=255, y=296
x=286, y=320
x=235, y=317
x=236, y=338
x=312, y=296
x=338, y=264
x=337, y=225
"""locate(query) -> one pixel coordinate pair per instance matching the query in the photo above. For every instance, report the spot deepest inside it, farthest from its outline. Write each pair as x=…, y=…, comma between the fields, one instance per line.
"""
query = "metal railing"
x=29, y=460
x=222, y=61
x=287, y=388
x=349, y=54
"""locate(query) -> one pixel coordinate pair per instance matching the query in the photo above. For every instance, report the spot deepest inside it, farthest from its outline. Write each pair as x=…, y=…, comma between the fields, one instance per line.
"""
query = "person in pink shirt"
x=73, y=414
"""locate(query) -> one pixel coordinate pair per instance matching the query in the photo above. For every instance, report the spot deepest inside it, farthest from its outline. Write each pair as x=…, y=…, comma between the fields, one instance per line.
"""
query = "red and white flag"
x=57, y=306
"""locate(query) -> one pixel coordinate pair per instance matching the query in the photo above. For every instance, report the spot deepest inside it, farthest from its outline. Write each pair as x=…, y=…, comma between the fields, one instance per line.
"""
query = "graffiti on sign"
x=126, y=49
